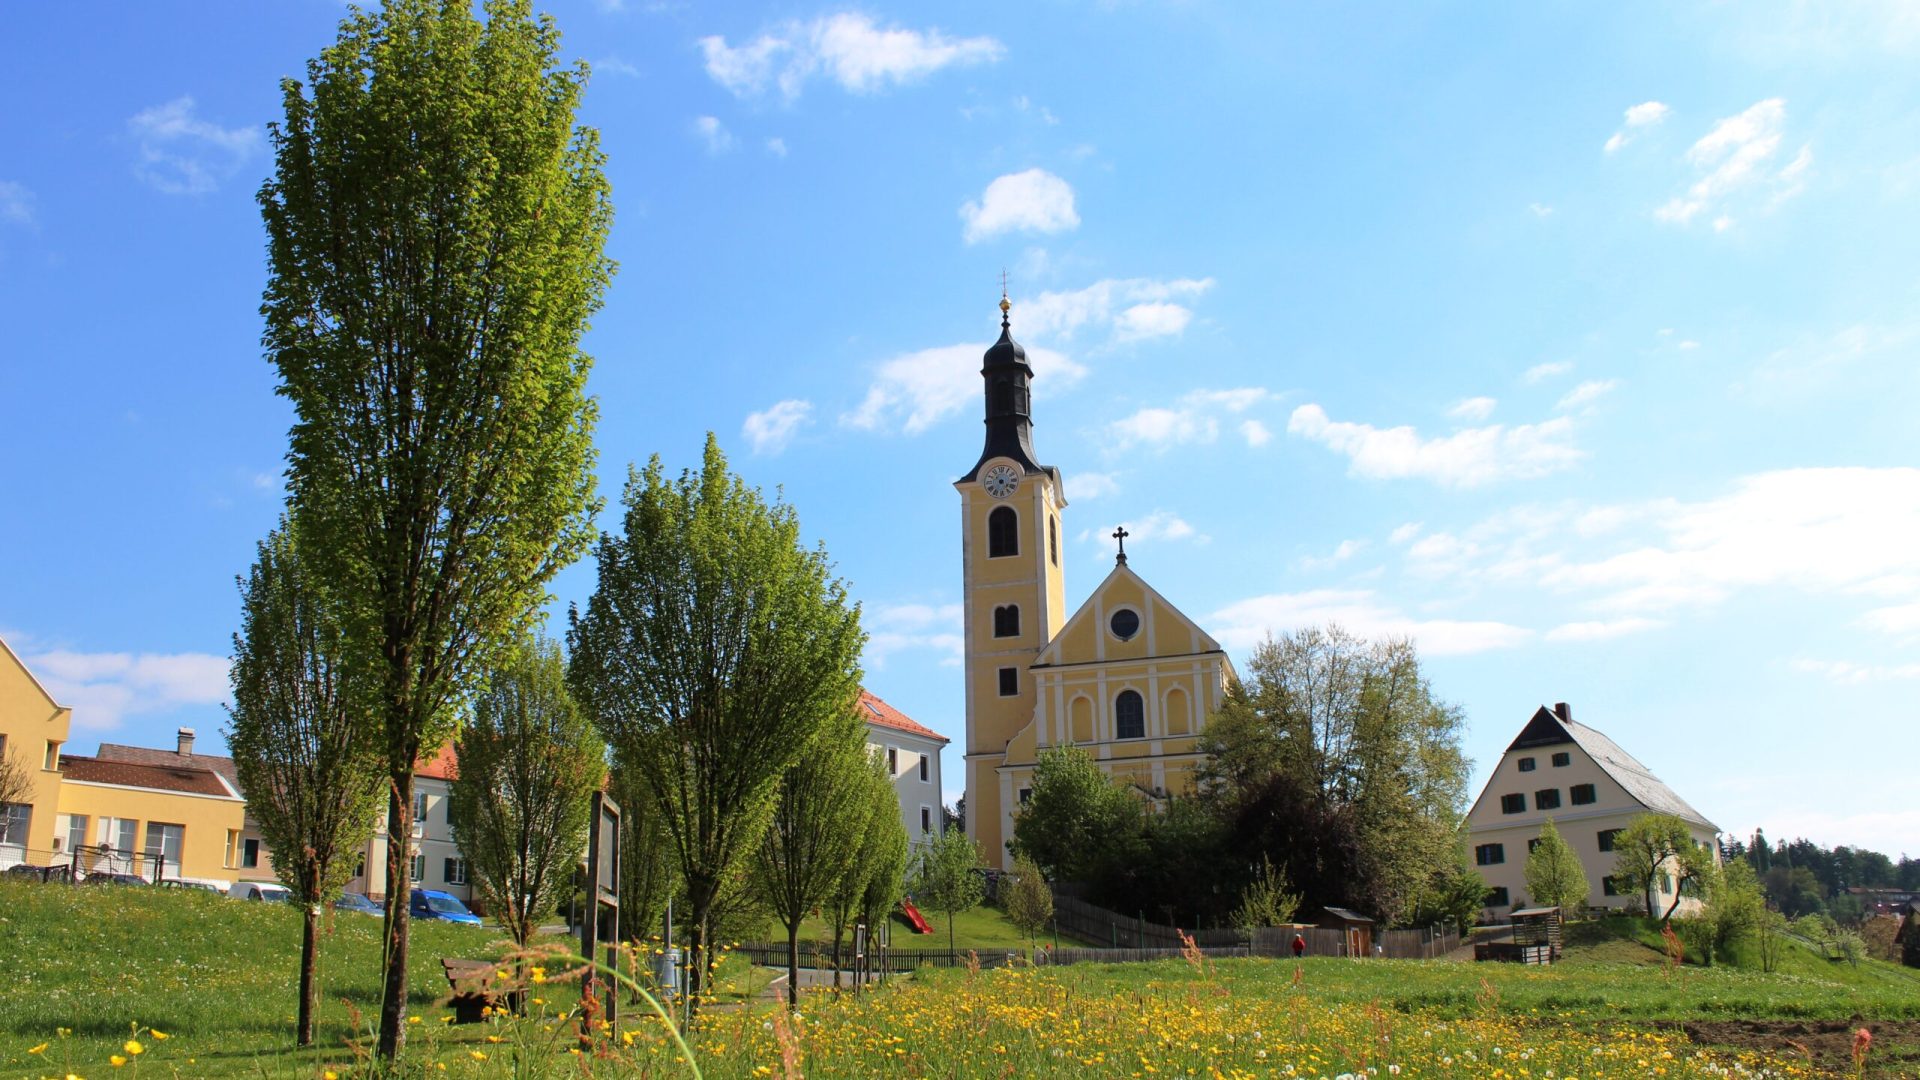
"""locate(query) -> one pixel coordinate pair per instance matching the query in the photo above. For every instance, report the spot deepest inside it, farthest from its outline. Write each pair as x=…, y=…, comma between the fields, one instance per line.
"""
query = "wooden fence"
x=1090, y=922
x=1129, y=956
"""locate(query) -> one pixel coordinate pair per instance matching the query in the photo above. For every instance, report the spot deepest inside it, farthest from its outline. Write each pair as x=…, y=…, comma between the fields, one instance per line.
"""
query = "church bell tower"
x=1014, y=592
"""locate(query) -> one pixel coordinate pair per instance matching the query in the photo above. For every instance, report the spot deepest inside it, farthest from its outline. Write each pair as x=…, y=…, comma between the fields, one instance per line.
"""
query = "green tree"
x=1653, y=845
x=1553, y=872
x=1733, y=909
x=813, y=842
x=710, y=653
x=307, y=755
x=1077, y=821
x=1335, y=758
x=1266, y=901
x=869, y=892
x=1027, y=898
x=649, y=876
x=947, y=878
x=530, y=761
x=1770, y=937
x=435, y=227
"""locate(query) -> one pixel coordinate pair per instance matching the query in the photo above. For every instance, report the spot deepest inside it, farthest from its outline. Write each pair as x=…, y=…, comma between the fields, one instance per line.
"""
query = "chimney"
x=1560, y=710
x=186, y=741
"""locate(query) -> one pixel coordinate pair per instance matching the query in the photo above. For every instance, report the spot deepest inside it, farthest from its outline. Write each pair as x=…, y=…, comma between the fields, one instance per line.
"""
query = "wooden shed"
x=1536, y=939
x=1356, y=928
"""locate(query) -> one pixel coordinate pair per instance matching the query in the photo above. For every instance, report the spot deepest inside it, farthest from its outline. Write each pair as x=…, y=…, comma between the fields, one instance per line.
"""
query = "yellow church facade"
x=1127, y=677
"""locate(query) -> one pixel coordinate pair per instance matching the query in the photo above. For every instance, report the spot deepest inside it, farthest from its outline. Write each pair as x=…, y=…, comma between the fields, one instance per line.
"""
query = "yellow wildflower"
x=134, y=1048
x=158, y=1035
x=41, y=1049
x=476, y=1055
x=116, y=1061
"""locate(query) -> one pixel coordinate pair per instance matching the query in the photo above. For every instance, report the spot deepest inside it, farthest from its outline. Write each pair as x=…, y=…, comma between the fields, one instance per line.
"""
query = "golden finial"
x=1006, y=305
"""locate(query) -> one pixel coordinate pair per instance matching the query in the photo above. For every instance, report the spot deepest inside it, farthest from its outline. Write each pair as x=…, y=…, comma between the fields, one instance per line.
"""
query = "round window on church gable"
x=1125, y=623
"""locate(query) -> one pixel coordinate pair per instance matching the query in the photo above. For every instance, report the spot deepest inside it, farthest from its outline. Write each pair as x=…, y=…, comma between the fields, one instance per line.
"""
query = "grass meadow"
x=215, y=977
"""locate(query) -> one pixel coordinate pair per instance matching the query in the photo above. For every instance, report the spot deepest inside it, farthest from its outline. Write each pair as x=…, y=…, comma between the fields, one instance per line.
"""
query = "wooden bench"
x=477, y=987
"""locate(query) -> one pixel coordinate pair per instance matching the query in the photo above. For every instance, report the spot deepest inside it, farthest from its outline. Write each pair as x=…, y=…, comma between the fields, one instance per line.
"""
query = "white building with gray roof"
x=1591, y=788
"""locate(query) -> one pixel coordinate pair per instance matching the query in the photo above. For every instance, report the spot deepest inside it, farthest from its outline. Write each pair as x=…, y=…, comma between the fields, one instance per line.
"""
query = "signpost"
x=602, y=922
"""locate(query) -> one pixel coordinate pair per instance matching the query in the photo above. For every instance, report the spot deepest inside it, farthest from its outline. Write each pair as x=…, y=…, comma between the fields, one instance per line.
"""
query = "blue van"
x=429, y=904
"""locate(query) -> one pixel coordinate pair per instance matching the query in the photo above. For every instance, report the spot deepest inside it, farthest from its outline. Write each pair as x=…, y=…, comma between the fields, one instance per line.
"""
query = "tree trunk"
x=838, y=933
x=309, y=961
x=793, y=964
x=393, y=996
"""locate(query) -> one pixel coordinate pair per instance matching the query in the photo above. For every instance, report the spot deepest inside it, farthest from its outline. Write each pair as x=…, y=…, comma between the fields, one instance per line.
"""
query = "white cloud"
x=1094, y=485
x=772, y=429
x=777, y=146
x=1347, y=549
x=1586, y=394
x=1244, y=624
x=894, y=628
x=1831, y=531
x=1846, y=671
x=1601, y=631
x=1405, y=532
x=1473, y=408
x=1642, y=115
x=848, y=48
x=1159, y=525
x=613, y=65
x=16, y=204
x=1151, y=321
x=103, y=689
x=1467, y=458
x=1030, y=201
x=1541, y=372
x=1540, y=210
x=181, y=154
x=916, y=390
x=713, y=133
x=1195, y=419
x=1133, y=309
x=1737, y=154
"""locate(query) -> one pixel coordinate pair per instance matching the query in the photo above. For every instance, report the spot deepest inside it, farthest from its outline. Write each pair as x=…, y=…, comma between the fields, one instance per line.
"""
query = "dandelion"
x=413, y=1019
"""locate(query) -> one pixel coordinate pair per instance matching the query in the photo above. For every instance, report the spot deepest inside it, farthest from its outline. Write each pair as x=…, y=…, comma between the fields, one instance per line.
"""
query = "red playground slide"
x=918, y=920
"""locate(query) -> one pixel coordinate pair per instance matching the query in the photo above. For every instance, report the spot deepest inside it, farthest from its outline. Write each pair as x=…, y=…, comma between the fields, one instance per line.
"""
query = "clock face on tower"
x=1001, y=480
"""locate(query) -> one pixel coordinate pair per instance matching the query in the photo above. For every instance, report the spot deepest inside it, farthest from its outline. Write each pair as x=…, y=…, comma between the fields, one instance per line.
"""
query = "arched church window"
x=1129, y=716
x=1003, y=532
x=1053, y=539
x=1006, y=621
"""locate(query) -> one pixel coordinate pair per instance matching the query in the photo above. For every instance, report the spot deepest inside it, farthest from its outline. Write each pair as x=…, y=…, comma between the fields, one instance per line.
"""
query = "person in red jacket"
x=1299, y=945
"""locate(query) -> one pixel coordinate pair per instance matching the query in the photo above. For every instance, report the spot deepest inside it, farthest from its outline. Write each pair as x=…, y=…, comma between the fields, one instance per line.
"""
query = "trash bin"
x=666, y=973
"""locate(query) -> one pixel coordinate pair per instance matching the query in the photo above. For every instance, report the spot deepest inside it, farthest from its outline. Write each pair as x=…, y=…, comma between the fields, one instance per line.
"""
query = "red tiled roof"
x=145, y=755
x=440, y=766
x=180, y=778
x=879, y=712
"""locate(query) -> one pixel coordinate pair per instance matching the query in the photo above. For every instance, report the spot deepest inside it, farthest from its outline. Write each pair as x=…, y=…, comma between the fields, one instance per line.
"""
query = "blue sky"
x=1579, y=344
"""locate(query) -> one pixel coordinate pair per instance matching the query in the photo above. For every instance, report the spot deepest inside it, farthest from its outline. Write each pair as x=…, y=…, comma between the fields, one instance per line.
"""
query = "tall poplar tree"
x=813, y=841
x=529, y=763
x=435, y=224
x=868, y=893
x=307, y=754
x=710, y=653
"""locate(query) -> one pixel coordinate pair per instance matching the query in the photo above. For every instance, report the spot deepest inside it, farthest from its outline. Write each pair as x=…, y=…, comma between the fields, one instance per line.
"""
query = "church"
x=1127, y=677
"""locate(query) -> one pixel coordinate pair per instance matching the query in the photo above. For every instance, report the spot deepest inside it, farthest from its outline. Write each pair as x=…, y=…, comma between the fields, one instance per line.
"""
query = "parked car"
x=60, y=872
x=446, y=907
x=196, y=886
x=358, y=902
x=260, y=890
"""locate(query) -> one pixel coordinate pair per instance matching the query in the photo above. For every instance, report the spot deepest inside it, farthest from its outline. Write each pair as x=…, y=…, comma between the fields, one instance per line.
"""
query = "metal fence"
x=95, y=864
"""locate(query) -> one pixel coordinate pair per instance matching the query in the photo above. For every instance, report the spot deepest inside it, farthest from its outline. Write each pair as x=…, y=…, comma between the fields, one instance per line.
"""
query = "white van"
x=260, y=890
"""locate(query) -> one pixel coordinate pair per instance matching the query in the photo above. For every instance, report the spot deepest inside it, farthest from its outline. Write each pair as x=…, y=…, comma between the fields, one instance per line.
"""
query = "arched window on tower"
x=1006, y=621
x=1053, y=539
x=1129, y=716
x=1003, y=532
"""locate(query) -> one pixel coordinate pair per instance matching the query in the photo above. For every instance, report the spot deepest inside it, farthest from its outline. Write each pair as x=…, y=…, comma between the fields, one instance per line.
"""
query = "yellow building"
x=165, y=813
x=33, y=727
x=1127, y=677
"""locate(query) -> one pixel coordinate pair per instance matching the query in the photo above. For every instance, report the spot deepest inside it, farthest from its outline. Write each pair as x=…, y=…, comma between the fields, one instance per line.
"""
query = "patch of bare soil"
x=1827, y=1044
